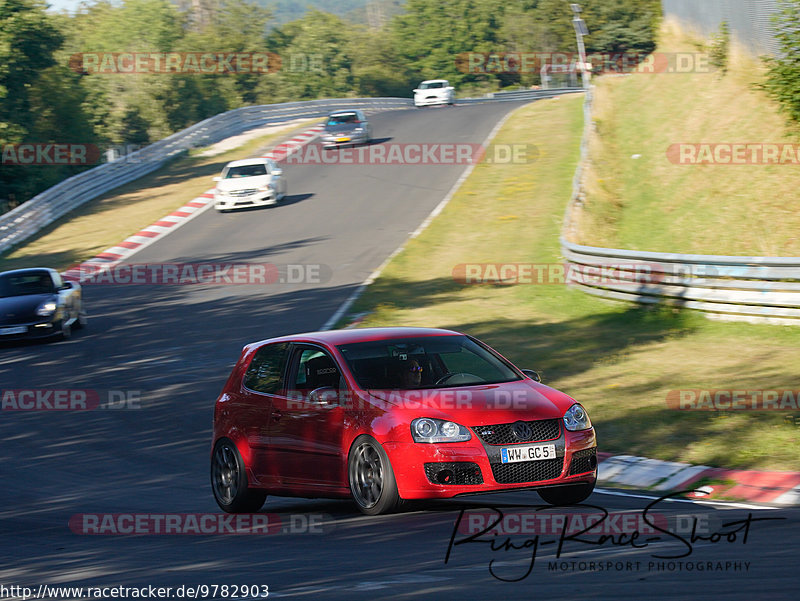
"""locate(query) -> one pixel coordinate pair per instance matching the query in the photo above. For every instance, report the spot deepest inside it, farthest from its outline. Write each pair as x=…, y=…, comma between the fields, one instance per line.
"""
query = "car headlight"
x=576, y=419
x=46, y=309
x=428, y=429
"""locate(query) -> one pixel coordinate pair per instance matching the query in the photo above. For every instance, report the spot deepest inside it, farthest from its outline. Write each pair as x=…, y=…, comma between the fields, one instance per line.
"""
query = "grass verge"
x=619, y=360
x=640, y=199
x=109, y=219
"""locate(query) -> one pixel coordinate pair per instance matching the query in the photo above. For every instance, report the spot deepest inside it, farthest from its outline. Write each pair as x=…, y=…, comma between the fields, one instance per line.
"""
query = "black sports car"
x=37, y=303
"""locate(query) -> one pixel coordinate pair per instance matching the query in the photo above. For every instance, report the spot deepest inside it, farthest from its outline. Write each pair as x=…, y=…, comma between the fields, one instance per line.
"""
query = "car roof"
x=27, y=270
x=242, y=162
x=343, y=112
x=435, y=81
x=337, y=337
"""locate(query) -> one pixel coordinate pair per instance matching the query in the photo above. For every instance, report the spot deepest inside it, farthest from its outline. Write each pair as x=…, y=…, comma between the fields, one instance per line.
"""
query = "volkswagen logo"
x=522, y=430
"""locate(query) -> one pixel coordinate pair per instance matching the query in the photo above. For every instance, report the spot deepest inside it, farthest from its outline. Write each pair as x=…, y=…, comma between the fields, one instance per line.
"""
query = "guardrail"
x=45, y=208
x=742, y=288
x=520, y=95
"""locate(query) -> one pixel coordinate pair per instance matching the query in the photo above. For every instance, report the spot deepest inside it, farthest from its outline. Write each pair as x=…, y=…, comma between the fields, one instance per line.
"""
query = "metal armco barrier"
x=742, y=288
x=737, y=287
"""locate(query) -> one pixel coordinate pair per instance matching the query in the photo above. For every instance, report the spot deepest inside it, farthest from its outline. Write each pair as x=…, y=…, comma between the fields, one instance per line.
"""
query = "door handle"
x=276, y=415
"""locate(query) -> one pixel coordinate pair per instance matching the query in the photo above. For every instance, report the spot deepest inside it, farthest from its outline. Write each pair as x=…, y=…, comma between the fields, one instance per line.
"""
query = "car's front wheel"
x=65, y=329
x=566, y=495
x=372, y=481
x=229, y=481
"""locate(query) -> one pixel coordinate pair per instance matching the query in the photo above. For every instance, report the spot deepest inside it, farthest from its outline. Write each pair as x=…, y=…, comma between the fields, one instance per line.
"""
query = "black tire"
x=229, y=481
x=372, y=482
x=566, y=495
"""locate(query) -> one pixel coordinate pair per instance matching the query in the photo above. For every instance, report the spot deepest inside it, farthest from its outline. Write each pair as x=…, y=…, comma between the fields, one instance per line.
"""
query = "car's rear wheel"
x=566, y=495
x=229, y=481
x=372, y=481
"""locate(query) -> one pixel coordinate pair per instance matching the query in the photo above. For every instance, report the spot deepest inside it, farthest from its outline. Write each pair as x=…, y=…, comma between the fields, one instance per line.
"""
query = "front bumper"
x=259, y=199
x=29, y=331
x=432, y=100
x=414, y=466
x=345, y=139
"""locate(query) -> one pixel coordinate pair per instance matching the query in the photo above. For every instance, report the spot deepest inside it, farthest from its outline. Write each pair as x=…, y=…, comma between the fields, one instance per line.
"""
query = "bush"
x=783, y=77
x=720, y=48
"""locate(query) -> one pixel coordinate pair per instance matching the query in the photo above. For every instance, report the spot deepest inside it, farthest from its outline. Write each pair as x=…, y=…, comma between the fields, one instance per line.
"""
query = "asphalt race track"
x=168, y=350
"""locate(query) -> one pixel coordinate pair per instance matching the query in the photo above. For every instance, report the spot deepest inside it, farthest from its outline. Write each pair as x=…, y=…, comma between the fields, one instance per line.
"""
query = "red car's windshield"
x=425, y=362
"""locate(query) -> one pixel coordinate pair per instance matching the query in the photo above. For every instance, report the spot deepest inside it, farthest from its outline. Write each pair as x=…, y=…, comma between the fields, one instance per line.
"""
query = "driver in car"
x=411, y=372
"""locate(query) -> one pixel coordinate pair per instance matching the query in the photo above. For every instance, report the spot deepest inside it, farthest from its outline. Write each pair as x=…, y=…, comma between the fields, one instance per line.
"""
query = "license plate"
x=14, y=330
x=342, y=139
x=531, y=452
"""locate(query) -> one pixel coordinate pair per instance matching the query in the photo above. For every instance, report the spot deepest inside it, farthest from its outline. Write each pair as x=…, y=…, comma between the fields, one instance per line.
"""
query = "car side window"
x=265, y=372
x=313, y=368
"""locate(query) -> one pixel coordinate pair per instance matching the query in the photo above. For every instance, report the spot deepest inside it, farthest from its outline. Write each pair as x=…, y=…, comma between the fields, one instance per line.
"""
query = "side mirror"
x=416, y=91
x=533, y=375
x=325, y=395
x=66, y=286
x=450, y=88
x=277, y=172
x=218, y=179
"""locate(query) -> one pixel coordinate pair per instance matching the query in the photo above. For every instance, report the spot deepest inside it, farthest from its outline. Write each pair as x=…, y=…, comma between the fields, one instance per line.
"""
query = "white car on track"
x=434, y=91
x=249, y=183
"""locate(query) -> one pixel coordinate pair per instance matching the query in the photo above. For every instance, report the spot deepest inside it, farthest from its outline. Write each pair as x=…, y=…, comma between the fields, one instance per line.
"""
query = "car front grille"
x=455, y=472
x=237, y=193
x=527, y=471
x=583, y=461
x=15, y=319
x=542, y=429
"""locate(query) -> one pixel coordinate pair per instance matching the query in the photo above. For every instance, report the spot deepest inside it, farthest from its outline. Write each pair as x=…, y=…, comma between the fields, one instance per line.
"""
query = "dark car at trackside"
x=38, y=303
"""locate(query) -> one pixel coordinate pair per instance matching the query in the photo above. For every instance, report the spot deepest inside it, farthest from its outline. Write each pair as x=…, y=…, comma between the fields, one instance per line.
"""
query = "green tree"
x=431, y=36
x=622, y=25
x=28, y=41
x=783, y=75
x=40, y=101
x=138, y=108
x=235, y=26
x=317, y=58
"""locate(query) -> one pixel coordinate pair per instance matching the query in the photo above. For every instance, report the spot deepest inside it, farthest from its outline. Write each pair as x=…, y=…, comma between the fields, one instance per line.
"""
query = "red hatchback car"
x=387, y=414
